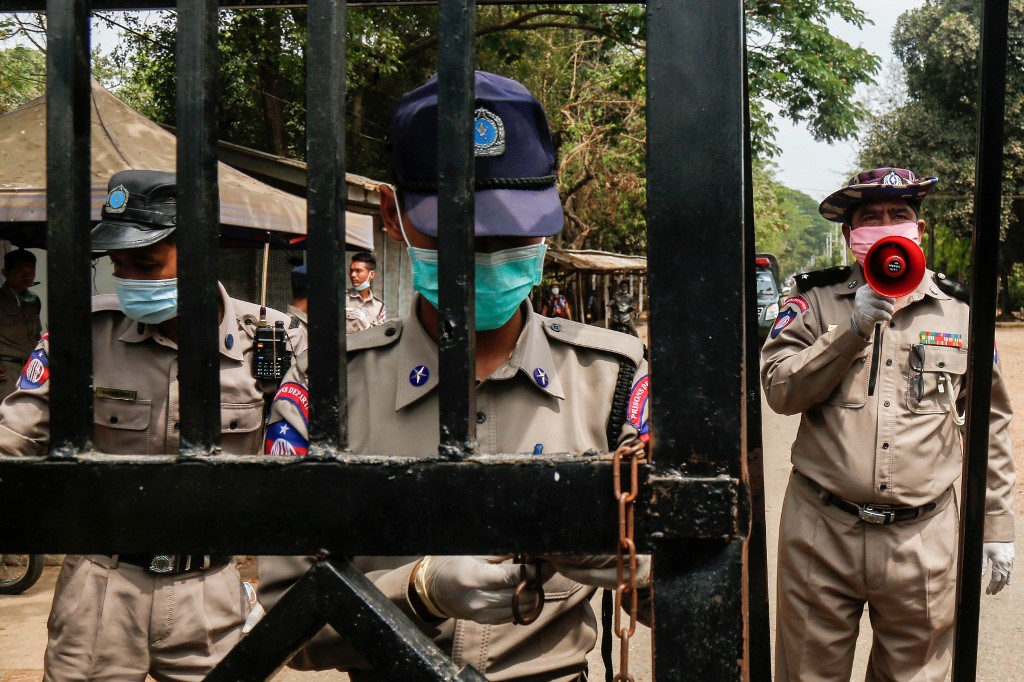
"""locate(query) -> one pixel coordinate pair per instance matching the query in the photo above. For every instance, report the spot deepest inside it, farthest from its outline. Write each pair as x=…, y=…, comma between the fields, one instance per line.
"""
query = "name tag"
x=115, y=393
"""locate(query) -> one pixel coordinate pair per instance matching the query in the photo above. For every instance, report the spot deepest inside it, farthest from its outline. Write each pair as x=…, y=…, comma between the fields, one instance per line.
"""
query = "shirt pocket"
x=122, y=426
x=241, y=427
x=934, y=378
x=852, y=391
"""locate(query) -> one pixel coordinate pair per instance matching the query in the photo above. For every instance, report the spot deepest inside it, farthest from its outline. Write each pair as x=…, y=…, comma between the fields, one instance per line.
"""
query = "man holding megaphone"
x=874, y=358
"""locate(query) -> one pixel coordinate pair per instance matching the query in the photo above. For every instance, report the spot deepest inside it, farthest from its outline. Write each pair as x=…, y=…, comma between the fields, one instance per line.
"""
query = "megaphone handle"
x=876, y=355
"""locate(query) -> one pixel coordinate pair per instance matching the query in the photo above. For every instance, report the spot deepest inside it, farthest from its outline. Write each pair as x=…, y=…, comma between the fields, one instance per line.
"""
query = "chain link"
x=625, y=553
x=535, y=583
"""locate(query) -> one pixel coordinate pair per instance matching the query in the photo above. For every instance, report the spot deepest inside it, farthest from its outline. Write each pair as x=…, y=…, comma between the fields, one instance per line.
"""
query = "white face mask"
x=554, y=290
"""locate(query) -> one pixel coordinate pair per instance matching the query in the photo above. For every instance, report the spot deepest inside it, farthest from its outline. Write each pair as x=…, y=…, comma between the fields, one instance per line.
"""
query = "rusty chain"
x=526, y=583
x=625, y=553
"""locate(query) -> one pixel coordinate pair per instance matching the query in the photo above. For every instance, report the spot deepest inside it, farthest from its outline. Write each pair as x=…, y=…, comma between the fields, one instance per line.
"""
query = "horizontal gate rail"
x=132, y=5
x=346, y=506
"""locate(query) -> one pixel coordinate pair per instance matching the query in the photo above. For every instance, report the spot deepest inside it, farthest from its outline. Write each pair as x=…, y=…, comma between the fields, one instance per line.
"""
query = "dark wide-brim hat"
x=873, y=185
x=516, y=192
x=141, y=209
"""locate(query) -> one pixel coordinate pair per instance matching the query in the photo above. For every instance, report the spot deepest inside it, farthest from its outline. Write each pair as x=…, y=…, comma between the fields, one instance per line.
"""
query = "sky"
x=817, y=168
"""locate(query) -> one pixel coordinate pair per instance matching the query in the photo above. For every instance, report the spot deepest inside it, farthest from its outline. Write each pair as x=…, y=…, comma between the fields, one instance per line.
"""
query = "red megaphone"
x=894, y=266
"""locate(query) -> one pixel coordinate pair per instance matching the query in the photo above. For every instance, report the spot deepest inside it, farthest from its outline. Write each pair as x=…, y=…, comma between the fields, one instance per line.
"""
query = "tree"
x=934, y=131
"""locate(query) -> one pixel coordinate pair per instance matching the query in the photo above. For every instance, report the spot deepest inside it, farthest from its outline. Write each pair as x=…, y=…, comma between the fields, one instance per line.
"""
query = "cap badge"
x=117, y=200
x=488, y=134
x=893, y=180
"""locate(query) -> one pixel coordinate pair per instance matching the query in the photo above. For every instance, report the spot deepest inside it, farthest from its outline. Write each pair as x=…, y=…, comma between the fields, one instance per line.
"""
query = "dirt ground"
x=23, y=617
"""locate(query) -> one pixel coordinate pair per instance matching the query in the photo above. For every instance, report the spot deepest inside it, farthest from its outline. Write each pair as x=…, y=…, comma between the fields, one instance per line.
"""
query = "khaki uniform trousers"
x=120, y=624
x=831, y=563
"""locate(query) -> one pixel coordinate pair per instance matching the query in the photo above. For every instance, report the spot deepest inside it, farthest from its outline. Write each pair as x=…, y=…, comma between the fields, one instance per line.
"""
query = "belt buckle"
x=871, y=514
x=162, y=563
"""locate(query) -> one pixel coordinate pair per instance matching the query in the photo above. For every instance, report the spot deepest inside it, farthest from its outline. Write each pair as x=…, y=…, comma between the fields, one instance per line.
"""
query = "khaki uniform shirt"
x=362, y=314
x=19, y=333
x=136, y=386
x=299, y=319
x=556, y=391
x=899, y=446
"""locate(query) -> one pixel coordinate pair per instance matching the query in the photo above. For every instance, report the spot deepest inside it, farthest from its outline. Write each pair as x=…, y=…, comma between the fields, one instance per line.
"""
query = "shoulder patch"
x=283, y=440
x=297, y=395
x=821, y=278
x=596, y=338
x=797, y=301
x=952, y=287
x=637, y=408
x=375, y=337
x=36, y=371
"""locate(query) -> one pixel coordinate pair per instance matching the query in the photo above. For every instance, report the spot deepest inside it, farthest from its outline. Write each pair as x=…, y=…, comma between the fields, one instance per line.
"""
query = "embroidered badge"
x=942, y=339
x=36, y=371
x=488, y=134
x=297, y=395
x=541, y=377
x=893, y=180
x=117, y=200
x=636, y=409
x=284, y=439
x=782, y=321
x=419, y=375
x=798, y=301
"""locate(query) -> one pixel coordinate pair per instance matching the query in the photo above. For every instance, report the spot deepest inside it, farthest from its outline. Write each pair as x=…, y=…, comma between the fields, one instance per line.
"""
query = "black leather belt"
x=878, y=514
x=164, y=564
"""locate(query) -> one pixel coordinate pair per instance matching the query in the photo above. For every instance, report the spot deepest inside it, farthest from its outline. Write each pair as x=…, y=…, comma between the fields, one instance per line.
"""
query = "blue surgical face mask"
x=503, y=280
x=147, y=300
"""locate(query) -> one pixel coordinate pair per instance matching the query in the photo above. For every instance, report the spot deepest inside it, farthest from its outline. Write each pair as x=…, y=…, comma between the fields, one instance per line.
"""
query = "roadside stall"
x=584, y=272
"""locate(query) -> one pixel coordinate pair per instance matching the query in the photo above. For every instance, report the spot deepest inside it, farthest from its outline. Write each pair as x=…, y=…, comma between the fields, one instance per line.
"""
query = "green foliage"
x=22, y=76
x=935, y=131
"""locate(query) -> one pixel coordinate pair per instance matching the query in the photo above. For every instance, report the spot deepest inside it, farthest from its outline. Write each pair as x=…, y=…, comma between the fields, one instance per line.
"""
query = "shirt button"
x=390, y=331
x=113, y=420
x=177, y=426
x=888, y=363
x=887, y=403
x=481, y=417
x=234, y=424
x=942, y=364
x=892, y=325
x=882, y=487
x=885, y=446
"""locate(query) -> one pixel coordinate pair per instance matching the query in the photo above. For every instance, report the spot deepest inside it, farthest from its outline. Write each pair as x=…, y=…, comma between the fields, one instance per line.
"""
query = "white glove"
x=477, y=588
x=1001, y=555
x=600, y=570
x=870, y=308
x=256, y=610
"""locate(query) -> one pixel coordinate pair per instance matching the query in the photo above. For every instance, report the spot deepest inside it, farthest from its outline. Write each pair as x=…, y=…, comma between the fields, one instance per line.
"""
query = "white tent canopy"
x=124, y=139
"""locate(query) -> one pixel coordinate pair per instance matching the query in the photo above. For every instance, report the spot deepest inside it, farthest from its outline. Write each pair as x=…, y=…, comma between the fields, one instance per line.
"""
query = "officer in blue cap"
x=544, y=385
x=122, y=617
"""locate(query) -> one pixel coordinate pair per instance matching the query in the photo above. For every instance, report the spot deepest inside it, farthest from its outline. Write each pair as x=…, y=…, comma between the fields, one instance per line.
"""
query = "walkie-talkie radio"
x=271, y=357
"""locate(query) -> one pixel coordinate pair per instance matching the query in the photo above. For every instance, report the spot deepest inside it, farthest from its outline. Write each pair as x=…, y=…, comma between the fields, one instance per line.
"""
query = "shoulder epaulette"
x=952, y=287
x=821, y=278
x=596, y=338
x=375, y=337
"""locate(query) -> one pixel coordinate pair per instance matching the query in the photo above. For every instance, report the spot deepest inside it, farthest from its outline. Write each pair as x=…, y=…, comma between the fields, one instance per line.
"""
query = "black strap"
x=607, y=604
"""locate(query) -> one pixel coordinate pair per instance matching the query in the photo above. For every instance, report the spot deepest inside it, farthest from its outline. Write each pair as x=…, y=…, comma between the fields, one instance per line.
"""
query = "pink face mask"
x=863, y=238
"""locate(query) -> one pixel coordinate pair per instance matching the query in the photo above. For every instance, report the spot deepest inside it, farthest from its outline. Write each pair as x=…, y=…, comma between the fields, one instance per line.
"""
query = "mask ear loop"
x=401, y=225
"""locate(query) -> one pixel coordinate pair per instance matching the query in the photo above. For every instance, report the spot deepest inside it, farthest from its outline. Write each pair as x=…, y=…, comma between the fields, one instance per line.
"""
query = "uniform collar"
x=229, y=330
x=352, y=293
x=295, y=312
x=417, y=359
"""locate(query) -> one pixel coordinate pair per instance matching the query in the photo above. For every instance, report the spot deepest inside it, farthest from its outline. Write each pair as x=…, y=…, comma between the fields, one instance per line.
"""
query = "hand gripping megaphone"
x=894, y=266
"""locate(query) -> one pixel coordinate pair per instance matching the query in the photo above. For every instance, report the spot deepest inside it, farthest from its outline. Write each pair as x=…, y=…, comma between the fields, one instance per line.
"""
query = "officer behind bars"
x=898, y=450
x=544, y=386
x=172, y=616
x=362, y=308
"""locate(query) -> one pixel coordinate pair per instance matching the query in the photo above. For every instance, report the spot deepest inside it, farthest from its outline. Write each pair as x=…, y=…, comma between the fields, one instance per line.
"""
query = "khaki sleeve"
x=999, y=523
x=25, y=413
x=799, y=367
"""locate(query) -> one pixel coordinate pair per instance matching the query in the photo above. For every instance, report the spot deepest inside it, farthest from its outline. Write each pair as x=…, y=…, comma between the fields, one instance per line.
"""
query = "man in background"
x=299, y=307
x=19, y=317
x=363, y=309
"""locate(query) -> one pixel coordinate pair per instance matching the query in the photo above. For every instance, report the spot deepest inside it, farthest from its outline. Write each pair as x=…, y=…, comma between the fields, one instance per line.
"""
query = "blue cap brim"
x=499, y=212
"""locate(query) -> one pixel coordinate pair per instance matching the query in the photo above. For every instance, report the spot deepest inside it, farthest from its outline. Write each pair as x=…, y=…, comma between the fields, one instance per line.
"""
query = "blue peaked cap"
x=516, y=190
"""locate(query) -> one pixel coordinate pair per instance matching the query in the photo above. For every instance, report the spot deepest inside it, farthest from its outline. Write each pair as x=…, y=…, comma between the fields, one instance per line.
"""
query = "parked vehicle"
x=18, y=572
x=765, y=272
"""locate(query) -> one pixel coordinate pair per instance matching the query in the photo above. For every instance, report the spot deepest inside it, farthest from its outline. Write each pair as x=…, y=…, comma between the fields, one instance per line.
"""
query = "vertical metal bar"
x=759, y=652
x=695, y=127
x=984, y=259
x=455, y=210
x=326, y=195
x=68, y=221
x=198, y=225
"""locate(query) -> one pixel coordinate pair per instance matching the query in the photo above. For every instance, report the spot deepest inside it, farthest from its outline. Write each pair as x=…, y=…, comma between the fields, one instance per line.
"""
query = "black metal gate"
x=701, y=506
